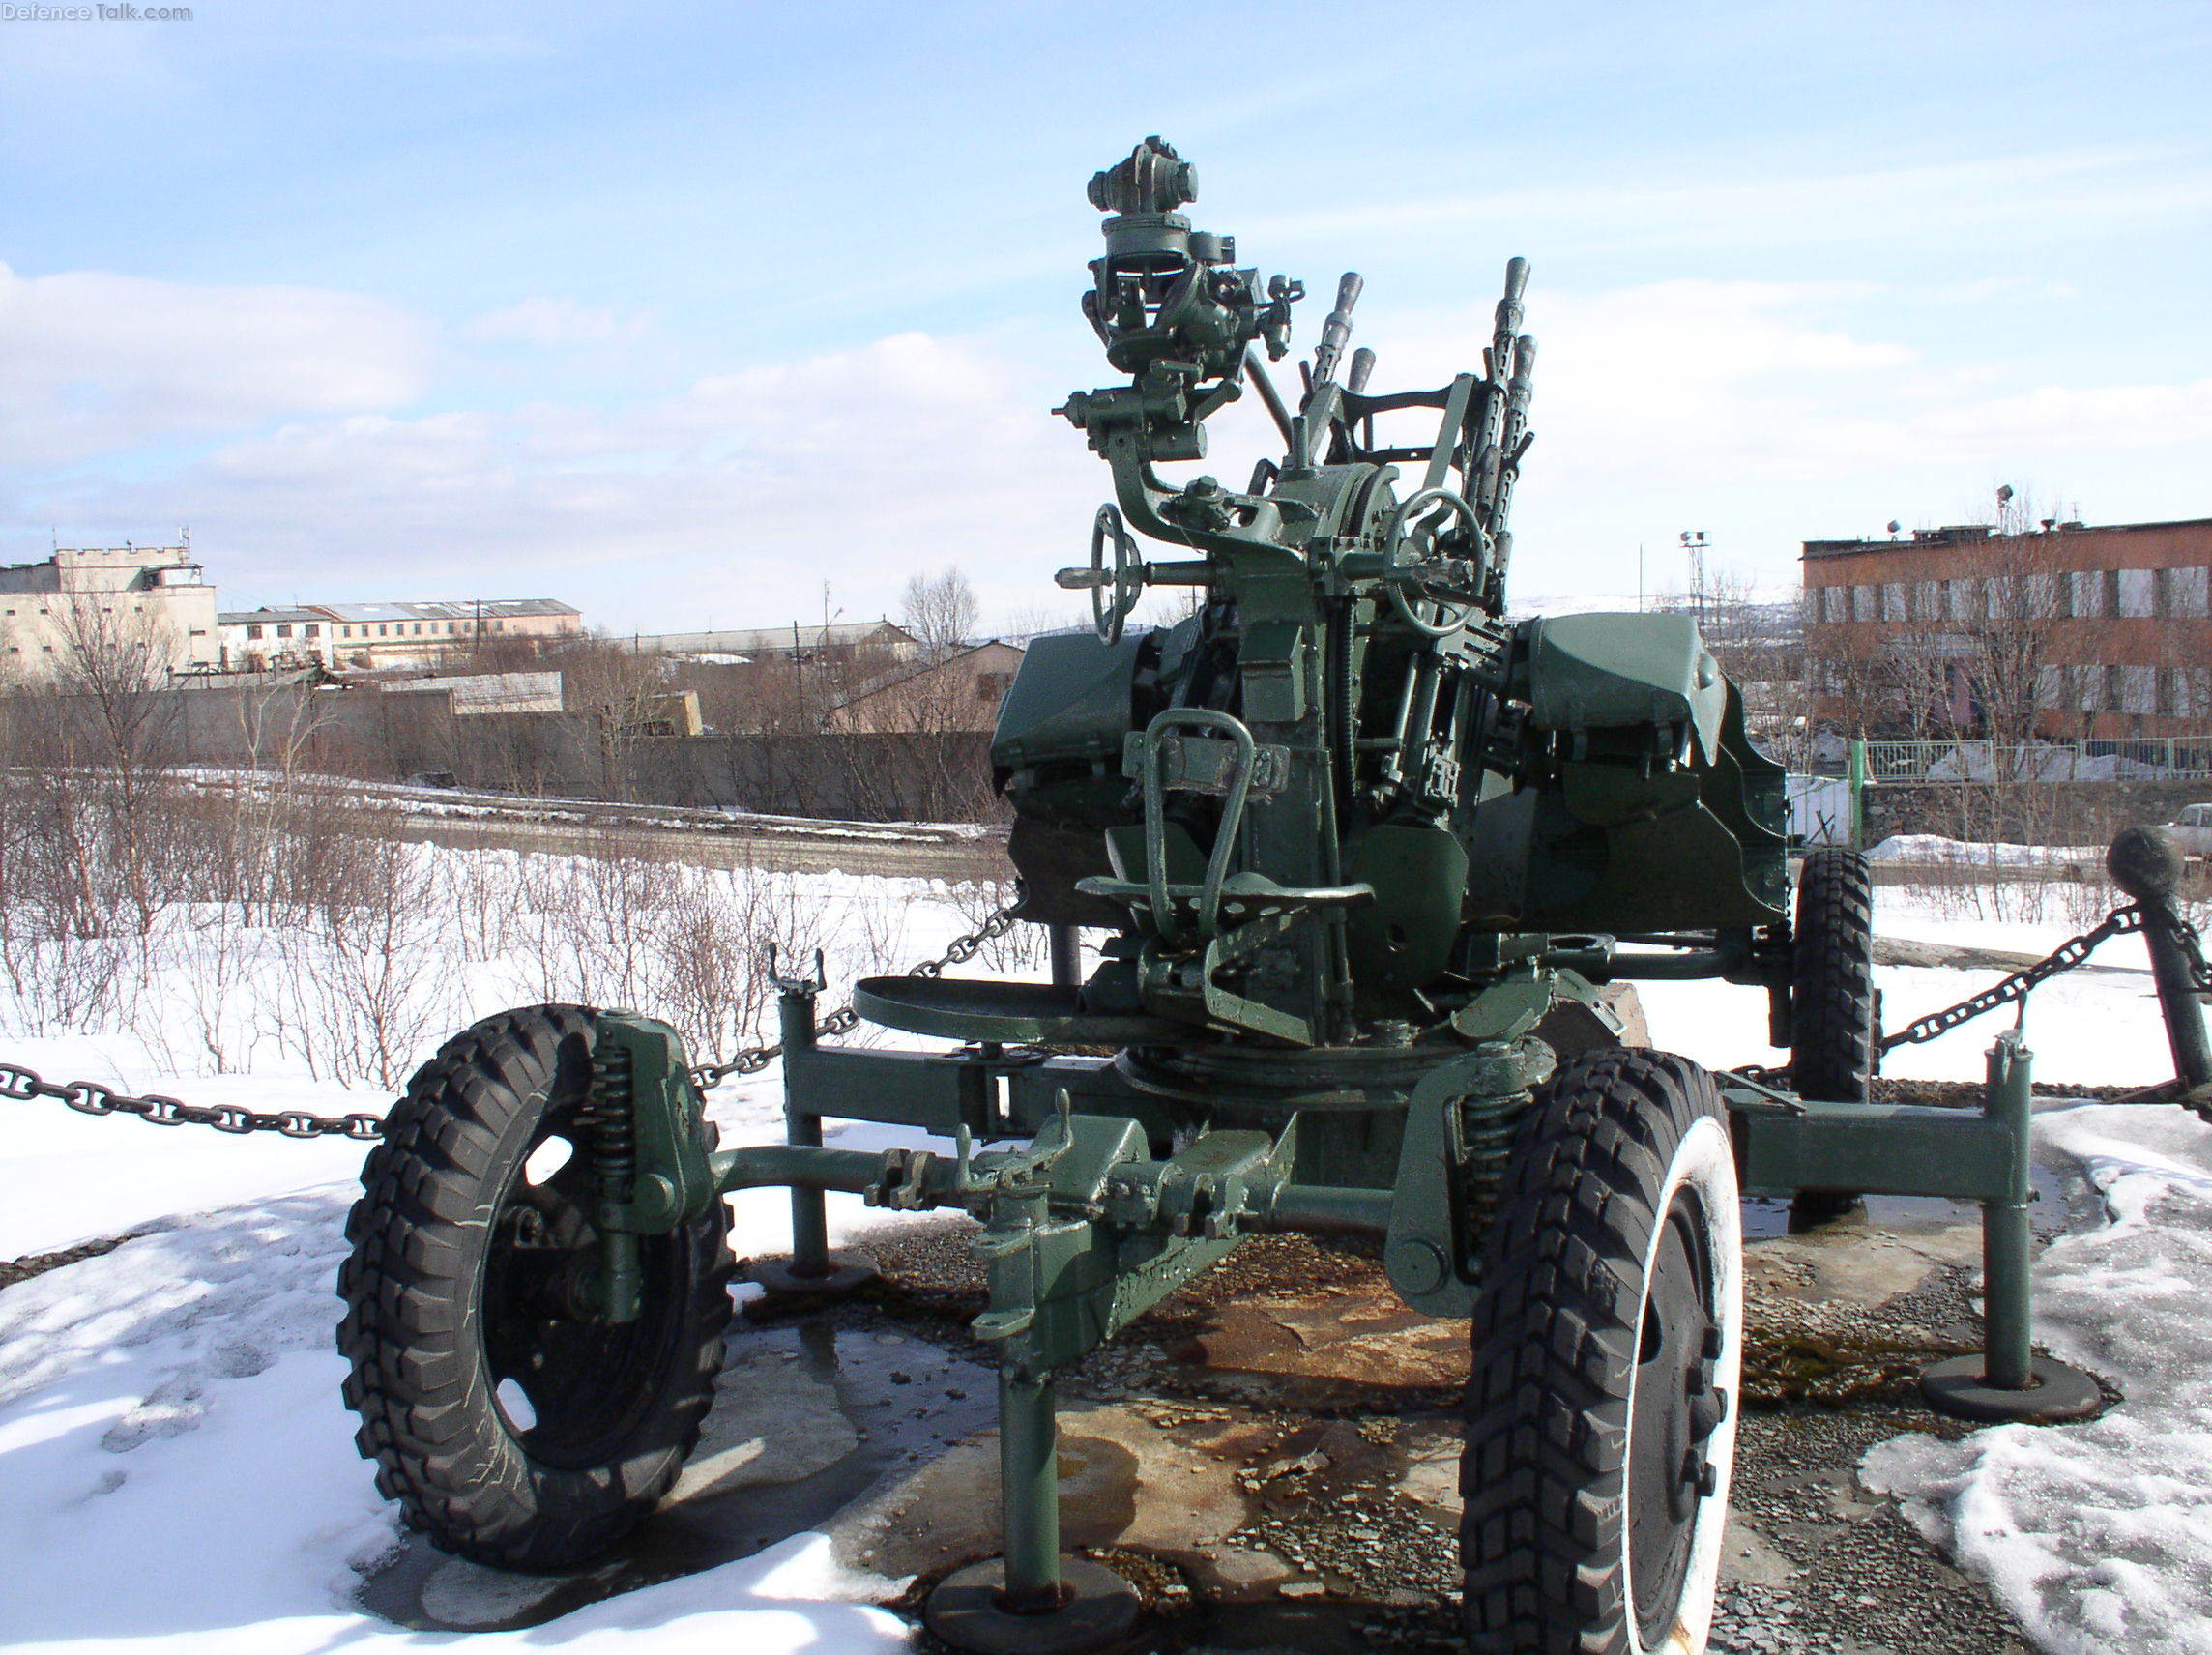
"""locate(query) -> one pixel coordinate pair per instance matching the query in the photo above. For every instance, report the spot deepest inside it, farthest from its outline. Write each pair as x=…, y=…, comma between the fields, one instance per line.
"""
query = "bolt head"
x=1416, y=1265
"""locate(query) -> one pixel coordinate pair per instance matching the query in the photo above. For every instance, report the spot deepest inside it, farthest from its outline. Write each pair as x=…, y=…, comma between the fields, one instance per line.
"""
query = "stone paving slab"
x=1272, y=1453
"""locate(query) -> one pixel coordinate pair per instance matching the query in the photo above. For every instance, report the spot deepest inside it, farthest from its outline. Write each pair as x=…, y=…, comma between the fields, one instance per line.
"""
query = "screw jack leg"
x=1031, y=1601
x=811, y=1271
x=2008, y=1381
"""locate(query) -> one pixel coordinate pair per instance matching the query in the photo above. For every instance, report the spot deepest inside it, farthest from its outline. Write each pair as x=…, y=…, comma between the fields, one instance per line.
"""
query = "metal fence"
x=2149, y=758
x=1824, y=810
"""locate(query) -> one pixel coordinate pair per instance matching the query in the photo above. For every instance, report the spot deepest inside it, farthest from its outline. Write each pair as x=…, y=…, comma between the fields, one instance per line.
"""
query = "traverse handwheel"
x=1402, y=575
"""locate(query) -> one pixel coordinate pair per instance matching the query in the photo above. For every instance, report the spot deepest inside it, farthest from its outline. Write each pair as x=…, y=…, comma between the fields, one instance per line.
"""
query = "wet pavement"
x=1271, y=1454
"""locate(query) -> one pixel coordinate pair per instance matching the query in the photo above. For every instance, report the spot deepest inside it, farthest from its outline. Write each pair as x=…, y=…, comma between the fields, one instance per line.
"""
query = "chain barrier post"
x=2148, y=864
x=2006, y=1235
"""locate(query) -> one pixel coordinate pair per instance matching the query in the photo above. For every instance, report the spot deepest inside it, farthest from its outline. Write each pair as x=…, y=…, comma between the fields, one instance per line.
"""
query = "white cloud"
x=1748, y=408
x=100, y=364
x=735, y=499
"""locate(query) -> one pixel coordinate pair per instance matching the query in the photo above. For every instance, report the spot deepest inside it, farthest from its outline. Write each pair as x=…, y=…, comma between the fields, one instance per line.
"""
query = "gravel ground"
x=1820, y=1565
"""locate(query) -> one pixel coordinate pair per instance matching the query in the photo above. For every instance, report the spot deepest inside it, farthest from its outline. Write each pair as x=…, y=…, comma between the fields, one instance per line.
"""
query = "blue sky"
x=680, y=314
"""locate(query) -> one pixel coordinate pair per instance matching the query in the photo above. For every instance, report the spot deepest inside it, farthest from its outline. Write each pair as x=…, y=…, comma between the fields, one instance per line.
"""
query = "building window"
x=284, y=630
x=2182, y=592
x=314, y=630
x=1893, y=600
x=380, y=631
x=1862, y=603
x=2188, y=692
x=2139, y=690
x=418, y=629
x=254, y=631
x=2137, y=593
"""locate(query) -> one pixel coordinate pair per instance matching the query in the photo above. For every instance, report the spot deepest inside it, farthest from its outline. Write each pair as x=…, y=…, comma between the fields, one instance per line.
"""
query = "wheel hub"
x=1674, y=1409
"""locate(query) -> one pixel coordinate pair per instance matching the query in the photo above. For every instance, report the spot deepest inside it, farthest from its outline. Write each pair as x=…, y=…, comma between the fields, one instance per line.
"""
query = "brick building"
x=2102, y=633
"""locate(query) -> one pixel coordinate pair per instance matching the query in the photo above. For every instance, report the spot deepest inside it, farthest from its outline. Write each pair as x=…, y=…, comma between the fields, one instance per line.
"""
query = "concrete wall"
x=391, y=737
x=2051, y=813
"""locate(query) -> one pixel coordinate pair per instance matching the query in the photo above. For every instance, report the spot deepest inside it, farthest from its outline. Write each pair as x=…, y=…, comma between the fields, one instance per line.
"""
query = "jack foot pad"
x=1100, y=1613
x=2060, y=1392
x=848, y=1272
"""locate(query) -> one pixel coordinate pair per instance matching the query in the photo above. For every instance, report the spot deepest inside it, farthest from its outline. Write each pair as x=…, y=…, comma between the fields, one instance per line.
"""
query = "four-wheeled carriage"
x=1366, y=854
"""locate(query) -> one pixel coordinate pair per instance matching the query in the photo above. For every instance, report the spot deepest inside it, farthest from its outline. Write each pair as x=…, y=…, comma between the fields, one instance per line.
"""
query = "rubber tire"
x=1833, y=1015
x=421, y=1378
x=1544, y=1541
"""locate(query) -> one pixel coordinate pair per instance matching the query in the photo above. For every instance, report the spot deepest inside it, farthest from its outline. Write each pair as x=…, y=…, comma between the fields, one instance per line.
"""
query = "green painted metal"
x=1428, y=1249
x=1856, y=780
x=672, y=1182
x=1359, y=846
x=802, y=1124
x=1029, y=1490
x=2007, y=1238
x=1880, y=1148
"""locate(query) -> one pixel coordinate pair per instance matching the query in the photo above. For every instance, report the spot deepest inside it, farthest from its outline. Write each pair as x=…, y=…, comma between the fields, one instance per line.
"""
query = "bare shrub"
x=368, y=981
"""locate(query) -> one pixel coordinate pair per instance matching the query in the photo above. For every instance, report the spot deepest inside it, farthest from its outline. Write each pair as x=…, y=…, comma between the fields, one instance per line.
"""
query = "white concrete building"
x=83, y=594
x=276, y=640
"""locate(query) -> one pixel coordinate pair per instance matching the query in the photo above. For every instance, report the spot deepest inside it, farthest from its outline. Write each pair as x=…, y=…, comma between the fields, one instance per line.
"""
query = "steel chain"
x=2064, y=958
x=91, y=1097
x=844, y=1020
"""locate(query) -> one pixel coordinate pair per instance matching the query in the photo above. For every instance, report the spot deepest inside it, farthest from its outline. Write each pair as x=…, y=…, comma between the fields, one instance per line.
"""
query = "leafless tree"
x=940, y=610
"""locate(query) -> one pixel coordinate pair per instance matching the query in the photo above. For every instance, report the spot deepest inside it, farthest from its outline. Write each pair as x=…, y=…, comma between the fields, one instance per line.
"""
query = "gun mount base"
x=1098, y=1612
x=1960, y=1388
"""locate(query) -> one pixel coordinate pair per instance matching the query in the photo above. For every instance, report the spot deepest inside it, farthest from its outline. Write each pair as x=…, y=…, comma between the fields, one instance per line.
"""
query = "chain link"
x=2064, y=958
x=90, y=1097
x=844, y=1020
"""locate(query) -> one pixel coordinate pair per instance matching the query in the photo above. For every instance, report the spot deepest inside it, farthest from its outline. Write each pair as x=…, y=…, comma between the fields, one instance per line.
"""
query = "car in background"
x=2192, y=830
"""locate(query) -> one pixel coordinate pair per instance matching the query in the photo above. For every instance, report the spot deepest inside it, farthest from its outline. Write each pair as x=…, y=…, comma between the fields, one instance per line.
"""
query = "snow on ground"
x=180, y=1475
x=2099, y=1536
x=1924, y=849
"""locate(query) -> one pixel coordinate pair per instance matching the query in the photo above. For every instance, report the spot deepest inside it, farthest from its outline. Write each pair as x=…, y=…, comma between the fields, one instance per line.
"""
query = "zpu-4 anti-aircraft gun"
x=1368, y=857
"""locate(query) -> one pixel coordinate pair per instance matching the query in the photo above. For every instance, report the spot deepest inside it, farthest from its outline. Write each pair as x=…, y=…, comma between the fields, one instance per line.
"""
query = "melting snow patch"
x=2099, y=1536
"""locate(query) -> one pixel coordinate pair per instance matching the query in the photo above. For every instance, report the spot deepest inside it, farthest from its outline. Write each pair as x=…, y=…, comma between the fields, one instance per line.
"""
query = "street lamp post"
x=1694, y=544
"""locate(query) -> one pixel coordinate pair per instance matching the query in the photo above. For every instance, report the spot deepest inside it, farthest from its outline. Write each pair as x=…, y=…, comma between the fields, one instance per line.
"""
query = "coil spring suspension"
x=610, y=1122
x=1486, y=1135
